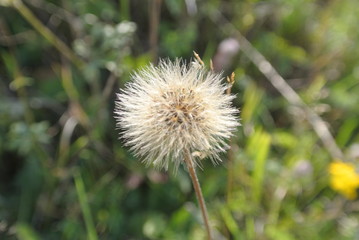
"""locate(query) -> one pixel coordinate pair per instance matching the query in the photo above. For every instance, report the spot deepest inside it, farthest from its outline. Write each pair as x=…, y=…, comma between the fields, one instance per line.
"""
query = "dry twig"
x=281, y=85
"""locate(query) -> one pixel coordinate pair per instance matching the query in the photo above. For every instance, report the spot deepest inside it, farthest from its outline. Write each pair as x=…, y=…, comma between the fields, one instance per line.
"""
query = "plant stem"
x=154, y=20
x=197, y=188
x=47, y=34
x=85, y=207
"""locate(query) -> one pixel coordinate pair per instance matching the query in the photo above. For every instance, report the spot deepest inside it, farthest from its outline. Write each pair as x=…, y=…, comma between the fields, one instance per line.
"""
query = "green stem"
x=81, y=193
x=47, y=34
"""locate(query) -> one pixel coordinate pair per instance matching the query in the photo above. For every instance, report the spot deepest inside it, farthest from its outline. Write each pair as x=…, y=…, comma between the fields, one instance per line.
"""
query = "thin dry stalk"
x=197, y=188
x=266, y=68
x=154, y=19
x=47, y=34
x=230, y=81
x=230, y=164
x=198, y=58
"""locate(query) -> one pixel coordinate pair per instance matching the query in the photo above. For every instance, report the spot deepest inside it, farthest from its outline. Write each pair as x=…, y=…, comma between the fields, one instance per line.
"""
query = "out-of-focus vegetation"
x=65, y=175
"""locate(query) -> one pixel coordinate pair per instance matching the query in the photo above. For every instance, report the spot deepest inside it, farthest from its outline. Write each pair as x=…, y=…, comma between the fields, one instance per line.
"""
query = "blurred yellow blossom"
x=344, y=179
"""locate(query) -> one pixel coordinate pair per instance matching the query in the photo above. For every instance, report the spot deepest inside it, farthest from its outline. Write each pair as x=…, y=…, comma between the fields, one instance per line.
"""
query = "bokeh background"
x=65, y=175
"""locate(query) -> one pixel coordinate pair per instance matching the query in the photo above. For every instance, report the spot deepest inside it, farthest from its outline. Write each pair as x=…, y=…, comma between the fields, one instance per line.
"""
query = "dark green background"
x=65, y=175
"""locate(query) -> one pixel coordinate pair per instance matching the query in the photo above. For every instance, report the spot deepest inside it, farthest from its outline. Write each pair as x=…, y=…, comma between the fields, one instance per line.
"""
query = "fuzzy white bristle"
x=172, y=109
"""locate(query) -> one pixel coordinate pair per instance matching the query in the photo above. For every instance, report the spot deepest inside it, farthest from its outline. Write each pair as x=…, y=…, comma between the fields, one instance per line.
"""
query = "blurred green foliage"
x=65, y=175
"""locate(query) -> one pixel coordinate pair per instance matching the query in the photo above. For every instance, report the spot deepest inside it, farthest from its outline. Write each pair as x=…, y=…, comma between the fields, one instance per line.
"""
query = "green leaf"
x=25, y=232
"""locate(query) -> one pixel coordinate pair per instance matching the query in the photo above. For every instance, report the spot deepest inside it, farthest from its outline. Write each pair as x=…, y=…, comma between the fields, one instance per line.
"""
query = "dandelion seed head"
x=174, y=109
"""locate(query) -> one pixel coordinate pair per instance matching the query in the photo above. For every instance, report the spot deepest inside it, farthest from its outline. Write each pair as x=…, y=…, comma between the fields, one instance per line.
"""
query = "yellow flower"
x=344, y=179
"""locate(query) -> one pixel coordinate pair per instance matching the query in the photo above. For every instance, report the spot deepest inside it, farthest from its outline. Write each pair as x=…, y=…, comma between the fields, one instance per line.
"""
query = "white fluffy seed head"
x=174, y=109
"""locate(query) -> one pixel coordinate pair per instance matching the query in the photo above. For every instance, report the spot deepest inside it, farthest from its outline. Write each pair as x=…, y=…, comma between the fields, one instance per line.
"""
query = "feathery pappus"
x=173, y=109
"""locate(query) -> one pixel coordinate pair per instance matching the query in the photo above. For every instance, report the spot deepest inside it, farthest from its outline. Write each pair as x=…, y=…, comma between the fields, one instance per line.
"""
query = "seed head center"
x=180, y=107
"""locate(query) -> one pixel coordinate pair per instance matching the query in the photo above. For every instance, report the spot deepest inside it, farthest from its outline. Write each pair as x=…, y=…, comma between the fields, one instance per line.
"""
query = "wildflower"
x=344, y=179
x=172, y=110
